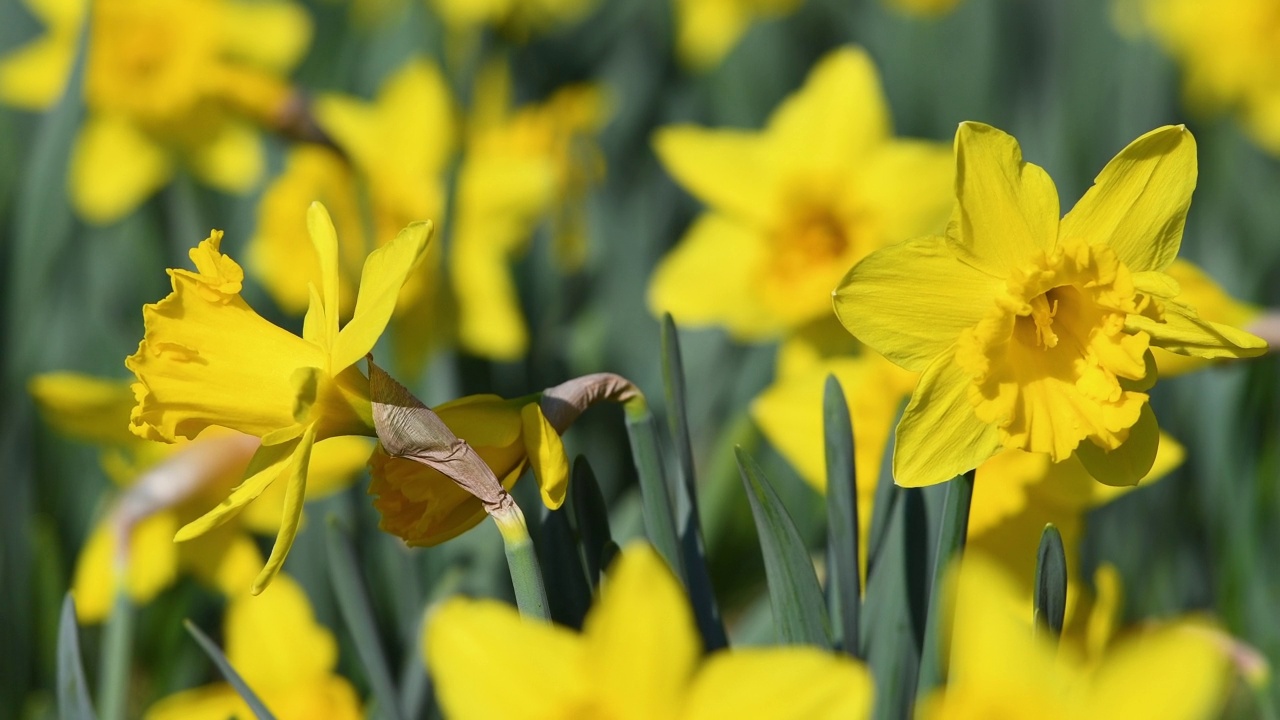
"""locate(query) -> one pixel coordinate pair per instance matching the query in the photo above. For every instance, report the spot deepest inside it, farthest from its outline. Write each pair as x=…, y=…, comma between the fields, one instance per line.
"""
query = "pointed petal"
x=939, y=435
x=782, y=683
x=1008, y=209
x=910, y=301
x=385, y=272
x=291, y=519
x=1130, y=462
x=274, y=641
x=1176, y=671
x=265, y=466
x=34, y=76
x=728, y=170
x=114, y=167
x=231, y=159
x=546, y=455
x=85, y=407
x=1186, y=333
x=324, y=238
x=271, y=35
x=1138, y=203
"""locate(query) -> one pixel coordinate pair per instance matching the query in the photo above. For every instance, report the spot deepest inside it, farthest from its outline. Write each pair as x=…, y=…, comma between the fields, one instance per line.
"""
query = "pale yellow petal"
x=230, y=158
x=1007, y=209
x=483, y=420
x=273, y=639
x=1138, y=203
x=34, y=76
x=729, y=170
x=939, y=436
x=642, y=645
x=268, y=463
x=1186, y=333
x=271, y=35
x=226, y=559
x=706, y=30
x=115, y=166
x=291, y=519
x=85, y=407
x=149, y=566
x=546, y=455
x=324, y=240
x=910, y=301
x=490, y=321
x=906, y=188
x=466, y=639
x=780, y=683
x=336, y=463
x=1178, y=671
x=212, y=702
x=1198, y=290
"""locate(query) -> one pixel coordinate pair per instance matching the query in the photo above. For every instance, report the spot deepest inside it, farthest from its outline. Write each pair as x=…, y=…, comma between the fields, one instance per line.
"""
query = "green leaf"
x=116, y=660
x=238, y=684
x=951, y=539
x=693, y=549
x=568, y=594
x=881, y=507
x=655, y=493
x=592, y=518
x=844, y=582
x=799, y=613
x=357, y=613
x=73, y=690
x=1051, y=582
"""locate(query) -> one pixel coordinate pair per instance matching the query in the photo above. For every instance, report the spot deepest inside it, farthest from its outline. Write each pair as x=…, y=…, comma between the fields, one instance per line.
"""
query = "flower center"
x=1051, y=363
x=809, y=251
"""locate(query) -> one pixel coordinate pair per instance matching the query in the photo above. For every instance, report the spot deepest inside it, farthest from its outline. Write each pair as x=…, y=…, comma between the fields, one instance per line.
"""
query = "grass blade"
x=951, y=538
x=237, y=683
x=799, y=613
x=592, y=518
x=689, y=527
x=568, y=595
x=73, y=689
x=1051, y=582
x=655, y=493
x=844, y=582
x=357, y=613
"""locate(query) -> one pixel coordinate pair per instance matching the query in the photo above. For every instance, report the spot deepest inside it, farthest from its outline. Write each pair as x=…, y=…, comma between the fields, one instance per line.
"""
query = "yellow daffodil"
x=706, y=30
x=165, y=81
x=284, y=656
x=637, y=657
x=208, y=359
x=423, y=507
x=793, y=206
x=520, y=17
x=999, y=668
x=521, y=168
x=1212, y=303
x=1228, y=53
x=1033, y=333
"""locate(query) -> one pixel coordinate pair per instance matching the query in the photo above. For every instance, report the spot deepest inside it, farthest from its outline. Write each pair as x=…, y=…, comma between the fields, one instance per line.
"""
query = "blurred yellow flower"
x=706, y=30
x=197, y=474
x=208, y=359
x=423, y=507
x=519, y=17
x=165, y=80
x=637, y=657
x=1212, y=303
x=1229, y=53
x=793, y=206
x=999, y=668
x=924, y=7
x=1034, y=333
x=521, y=168
x=284, y=656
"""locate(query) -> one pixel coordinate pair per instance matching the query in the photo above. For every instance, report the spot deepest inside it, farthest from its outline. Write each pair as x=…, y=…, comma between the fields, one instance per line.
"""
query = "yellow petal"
x=274, y=641
x=1138, y=203
x=706, y=31
x=490, y=321
x=34, y=76
x=640, y=638
x=906, y=187
x=271, y=35
x=466, y=639
x=230, y=158
x=729, y=170
x=1007, y=209
x=483, y=420
x=1130, y=462
x=226, y=559
x=85, y=407
x=836, y=117
x=1186, y=333
x=546, y=455
x=910, y=301
x=939, y=436
x=212, y=702
x=267, y=464
x=335, y=464
x=1177, y=671
x=324, y=239
x=709, y=278
x=385, y=272
x=291, y=518
x=149, y=566
x=1198, y=290
x=780, y=683
x=115, y=165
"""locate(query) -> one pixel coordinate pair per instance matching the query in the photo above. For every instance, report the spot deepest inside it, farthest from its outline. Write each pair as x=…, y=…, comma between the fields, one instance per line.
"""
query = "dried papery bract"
x=564, y=403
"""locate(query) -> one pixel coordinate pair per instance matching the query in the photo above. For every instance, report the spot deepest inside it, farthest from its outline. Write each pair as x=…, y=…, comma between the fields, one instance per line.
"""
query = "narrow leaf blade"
x=73, y=689
x=229, y=673
x=1051, y=582
x=844, y=582
x=951, y=540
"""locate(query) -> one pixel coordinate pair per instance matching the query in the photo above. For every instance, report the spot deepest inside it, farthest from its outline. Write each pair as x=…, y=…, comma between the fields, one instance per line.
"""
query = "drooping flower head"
x=208, y=359
x=1034, y=332
x=637, y=657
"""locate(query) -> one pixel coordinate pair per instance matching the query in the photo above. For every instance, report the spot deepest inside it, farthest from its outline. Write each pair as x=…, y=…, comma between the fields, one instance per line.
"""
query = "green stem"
x=655, y=493
x=526, y=575
x=117, y=651
x=951, y=538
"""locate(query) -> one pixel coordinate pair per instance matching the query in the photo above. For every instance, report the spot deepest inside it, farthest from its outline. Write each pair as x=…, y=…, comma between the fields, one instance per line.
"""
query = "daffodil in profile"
x=288, y=659
x=1033, y=331
x=638, y=656
x=792, y=207
x=706, y=30
x=207, y=359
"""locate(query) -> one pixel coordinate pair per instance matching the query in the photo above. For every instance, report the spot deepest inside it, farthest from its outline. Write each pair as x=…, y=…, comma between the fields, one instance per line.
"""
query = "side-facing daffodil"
x=208, y=359
x=998, y=666
x=132, y=545
x=1031, y=331
x=283, y=655
x=793, y=206
x=637, y=657
x=706, y=30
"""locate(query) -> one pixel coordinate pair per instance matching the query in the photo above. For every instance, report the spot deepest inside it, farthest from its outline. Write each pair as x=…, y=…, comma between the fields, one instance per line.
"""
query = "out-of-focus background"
x=84, y=245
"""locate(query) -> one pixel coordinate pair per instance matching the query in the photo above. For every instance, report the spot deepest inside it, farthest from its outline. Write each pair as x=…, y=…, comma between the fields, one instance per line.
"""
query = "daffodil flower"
x=637, y=657
x=285, y=657
x=1034, y=332
x=208, y=359
x=706, y=30
x=792, y=207
x=518, y=17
